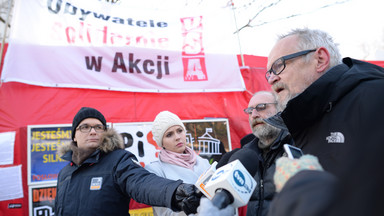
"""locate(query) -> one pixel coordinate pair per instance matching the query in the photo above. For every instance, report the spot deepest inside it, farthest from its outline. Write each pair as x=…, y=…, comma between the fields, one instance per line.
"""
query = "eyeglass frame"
x=285, y=58
x=90, y=128
x=256, y=108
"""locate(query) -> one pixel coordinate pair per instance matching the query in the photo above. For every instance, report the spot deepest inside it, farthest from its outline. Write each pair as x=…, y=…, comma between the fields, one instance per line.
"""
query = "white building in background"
x=208, y=145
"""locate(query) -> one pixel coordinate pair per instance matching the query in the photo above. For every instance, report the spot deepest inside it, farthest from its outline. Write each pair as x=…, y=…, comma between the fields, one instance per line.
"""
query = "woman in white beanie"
x=176, y=159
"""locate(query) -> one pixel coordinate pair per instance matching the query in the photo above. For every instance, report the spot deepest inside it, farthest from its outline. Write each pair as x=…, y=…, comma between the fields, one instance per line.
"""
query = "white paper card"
x=11, y=186
x=7, y=143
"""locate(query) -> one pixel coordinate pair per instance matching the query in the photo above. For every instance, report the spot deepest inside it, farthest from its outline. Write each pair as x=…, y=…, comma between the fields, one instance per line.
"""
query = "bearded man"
x=268, y=142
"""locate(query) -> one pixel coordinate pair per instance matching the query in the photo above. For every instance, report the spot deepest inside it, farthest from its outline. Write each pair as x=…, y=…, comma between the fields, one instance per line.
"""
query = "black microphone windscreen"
x=222, y=198
x=224, y=159
x=248, y=158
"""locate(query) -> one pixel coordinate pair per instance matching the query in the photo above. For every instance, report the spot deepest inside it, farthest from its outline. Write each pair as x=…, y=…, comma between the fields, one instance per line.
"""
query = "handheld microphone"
x=234, y=183
x=204, y=178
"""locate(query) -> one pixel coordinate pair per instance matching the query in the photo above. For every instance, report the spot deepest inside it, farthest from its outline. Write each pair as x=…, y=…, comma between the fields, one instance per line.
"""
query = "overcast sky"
x=357, y=25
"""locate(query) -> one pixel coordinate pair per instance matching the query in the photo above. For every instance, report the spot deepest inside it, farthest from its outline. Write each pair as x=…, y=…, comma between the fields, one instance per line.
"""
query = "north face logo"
x=336, y=137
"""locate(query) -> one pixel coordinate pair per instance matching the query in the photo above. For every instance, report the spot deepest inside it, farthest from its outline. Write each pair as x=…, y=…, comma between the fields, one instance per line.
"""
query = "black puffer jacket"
x=265, y=190
x=106, y=181
x=339, y=119
x=340, y=114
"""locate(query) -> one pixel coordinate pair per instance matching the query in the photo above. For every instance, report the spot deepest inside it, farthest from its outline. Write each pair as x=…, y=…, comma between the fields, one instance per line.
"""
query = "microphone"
x=204, y=178
x=234, y=183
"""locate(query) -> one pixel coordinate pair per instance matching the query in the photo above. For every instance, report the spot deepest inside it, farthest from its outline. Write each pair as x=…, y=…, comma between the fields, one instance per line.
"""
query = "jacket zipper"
x=261, y=201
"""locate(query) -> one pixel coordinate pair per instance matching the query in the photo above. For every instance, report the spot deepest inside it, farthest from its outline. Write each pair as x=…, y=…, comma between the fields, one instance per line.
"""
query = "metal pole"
x=238, y=37
x=5, y=33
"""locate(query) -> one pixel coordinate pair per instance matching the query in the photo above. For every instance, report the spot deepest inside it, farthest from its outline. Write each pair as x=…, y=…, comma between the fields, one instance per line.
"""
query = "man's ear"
x=323, y=60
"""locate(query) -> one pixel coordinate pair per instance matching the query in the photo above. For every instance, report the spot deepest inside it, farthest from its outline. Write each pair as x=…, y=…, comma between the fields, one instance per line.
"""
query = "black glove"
x=187, y=198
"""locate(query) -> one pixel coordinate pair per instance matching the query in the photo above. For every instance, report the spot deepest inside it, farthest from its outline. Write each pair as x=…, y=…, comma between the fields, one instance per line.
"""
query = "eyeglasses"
x=258, y=108
x=87, y=128
x=279, y=65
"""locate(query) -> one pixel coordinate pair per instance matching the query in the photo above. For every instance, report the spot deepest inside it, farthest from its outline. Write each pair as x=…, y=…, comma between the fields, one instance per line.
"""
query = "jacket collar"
x=310, y=105
x=324, y=93
x=93, y=158
x=110, y=141
x=252, y=140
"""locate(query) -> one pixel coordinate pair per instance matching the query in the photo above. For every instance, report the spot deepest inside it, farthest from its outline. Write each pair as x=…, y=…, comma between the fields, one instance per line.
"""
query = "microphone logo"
x=242, y=184
x=239, y=177
x=235, y=179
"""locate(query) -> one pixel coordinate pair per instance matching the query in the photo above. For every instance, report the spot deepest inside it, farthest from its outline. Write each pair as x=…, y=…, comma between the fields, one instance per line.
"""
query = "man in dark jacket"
x=332, y=108
x=102, y=177
x=268, y=142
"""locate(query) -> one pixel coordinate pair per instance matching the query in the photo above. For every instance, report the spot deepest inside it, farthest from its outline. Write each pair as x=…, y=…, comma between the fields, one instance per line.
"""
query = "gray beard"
x=281, y=105
x=266, y=134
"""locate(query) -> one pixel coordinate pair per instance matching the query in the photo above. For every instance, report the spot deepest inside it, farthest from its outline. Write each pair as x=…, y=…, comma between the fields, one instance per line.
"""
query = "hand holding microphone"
x=286, y=168
x=187, y=198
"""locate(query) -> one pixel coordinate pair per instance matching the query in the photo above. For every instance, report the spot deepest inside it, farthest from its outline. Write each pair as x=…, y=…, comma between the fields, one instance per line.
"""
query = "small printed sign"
x=96, y=183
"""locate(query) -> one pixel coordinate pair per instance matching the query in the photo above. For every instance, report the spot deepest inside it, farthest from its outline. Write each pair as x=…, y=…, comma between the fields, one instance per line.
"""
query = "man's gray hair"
x=266, y=92
x=313, y=39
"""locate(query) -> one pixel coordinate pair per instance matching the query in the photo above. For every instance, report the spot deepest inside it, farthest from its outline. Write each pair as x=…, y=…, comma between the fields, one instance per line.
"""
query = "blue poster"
x=45, y=163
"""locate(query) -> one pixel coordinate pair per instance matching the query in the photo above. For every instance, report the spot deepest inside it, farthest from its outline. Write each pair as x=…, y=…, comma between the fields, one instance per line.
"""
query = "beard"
x=266, y=134
x=288, y=94
x=282, y=98
x=283, y=101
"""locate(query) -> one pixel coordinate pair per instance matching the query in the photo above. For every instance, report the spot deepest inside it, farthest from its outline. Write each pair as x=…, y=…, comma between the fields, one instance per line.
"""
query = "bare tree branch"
x=3, y=21
x=4, y=10
x=248, y=24
x=256, y=15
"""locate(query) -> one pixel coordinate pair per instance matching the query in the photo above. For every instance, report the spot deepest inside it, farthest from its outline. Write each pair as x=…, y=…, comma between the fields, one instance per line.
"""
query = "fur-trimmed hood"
x=110, y=140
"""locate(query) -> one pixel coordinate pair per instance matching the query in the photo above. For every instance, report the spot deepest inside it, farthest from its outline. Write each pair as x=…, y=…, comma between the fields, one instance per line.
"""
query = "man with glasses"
x=102, y=177
x=268, y=142
x=333, y=108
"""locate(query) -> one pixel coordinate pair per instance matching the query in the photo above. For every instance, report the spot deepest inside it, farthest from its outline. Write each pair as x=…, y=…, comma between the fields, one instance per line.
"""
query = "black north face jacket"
x=339, y=119
x=340, y=116
x=105, y=183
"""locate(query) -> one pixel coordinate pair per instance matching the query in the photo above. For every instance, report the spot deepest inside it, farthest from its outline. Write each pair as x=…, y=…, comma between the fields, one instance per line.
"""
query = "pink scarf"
x=187, y=159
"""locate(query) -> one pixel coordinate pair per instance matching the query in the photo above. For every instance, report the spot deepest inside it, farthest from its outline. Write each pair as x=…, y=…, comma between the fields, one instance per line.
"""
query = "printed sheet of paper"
x=7, y=143
x=11, y=185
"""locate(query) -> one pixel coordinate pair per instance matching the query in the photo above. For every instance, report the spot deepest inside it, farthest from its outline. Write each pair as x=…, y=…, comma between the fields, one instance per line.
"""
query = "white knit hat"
x=163, y=121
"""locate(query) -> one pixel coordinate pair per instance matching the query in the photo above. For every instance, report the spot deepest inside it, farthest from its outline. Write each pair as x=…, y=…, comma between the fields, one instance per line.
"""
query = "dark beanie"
x=86, y=112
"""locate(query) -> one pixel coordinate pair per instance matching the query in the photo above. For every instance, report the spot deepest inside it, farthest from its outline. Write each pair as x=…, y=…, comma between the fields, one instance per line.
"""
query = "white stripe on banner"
x=93, y=44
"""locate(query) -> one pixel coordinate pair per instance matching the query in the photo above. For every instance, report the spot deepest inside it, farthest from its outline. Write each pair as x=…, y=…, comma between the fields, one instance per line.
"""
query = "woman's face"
x=174, y=139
